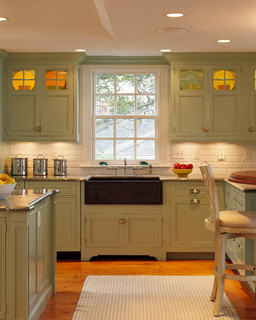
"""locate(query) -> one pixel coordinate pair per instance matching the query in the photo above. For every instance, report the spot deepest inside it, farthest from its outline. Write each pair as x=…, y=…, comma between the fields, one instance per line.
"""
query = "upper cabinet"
x=213, y=97
x=40, y=102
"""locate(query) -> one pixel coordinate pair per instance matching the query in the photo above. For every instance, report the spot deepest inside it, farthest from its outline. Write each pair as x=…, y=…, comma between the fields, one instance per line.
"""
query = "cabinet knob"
x=122, y=221
x=39, y=129
x=241, y=246
x=195, y=201
x=194, y=191
x=206, y=129
x=251, y=129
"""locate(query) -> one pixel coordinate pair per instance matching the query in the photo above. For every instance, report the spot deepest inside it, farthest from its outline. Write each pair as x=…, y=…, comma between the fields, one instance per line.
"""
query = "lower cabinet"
x=27, y=261
x=67, y=212
x=241, y=250
x=123, y=229
x=189, y=208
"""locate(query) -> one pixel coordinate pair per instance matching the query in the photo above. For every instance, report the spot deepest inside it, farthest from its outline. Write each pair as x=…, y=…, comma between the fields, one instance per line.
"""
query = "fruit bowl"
x=182, y=173
x=6, y=189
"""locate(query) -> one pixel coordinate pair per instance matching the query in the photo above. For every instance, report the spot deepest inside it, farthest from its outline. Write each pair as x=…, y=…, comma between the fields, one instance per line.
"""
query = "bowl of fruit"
x=182, y=170
x=7, y=184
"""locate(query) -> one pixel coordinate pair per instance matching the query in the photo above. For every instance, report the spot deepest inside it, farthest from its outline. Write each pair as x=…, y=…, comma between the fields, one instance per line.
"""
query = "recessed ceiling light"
x=165, y=50
x=80, y=50
x=175, y=15
x=223, y=41
x=3, y=19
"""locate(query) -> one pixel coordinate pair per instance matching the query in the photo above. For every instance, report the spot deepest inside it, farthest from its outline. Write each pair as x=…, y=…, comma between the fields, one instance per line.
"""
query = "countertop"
x=24, y=200
x=242, y=186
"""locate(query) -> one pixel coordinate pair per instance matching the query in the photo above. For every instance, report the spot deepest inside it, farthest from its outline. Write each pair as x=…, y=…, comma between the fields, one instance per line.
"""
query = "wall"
x=236, y=157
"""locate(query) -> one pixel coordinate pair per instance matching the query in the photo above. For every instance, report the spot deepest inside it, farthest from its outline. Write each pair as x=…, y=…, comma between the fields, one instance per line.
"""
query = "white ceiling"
x=127, y=27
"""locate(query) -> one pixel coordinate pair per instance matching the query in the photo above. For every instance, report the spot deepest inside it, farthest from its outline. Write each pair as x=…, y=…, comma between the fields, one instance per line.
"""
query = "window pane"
x=124, y=149
x=125, y=128
x=145, y=149
x=104, y=149
x=105, y=83
x=23, y=79
x=105, y=105
x=125, y=83
x=125, y=105
x=145, y=104
x=146, y=83
x=104, y=128
x=146, y=128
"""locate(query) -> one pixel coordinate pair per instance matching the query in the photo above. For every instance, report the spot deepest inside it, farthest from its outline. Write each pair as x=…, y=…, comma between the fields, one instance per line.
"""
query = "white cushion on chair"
x=238, y=219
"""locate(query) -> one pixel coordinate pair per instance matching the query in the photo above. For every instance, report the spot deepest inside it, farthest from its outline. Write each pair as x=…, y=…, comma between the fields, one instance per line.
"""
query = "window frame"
x=161, y=117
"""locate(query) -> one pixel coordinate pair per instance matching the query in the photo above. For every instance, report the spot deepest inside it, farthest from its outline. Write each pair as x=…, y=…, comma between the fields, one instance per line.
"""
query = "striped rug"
x=149, y=298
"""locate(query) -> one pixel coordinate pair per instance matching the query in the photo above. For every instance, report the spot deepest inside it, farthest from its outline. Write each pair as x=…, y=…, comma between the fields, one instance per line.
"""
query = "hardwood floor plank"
x=72, y=274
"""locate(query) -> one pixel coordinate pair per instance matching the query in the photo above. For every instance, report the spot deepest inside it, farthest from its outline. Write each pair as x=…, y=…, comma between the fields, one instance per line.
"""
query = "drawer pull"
x=229, y=194
x=241, y=246
x=194, y=191
x=194, y=201
x=122, y=221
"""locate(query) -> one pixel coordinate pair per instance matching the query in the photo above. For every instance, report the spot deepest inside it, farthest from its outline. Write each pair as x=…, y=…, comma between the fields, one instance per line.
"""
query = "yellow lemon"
x=1, y=182
x=12, y=180
x=4, y=176
x=7, y=182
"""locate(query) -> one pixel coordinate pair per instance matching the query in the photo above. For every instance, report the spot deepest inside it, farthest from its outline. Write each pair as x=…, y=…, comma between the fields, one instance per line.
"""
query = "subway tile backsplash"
x=223, y=157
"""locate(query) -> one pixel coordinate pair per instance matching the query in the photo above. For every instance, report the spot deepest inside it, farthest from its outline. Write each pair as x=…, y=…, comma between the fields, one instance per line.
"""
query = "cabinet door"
x=142, y=231
x=19, y=185
x=251, y=83
x=104, y=230
x=225, y=101
x=57, y=105
x=2, y=268
x=190, y=101
x=22, y=102
x=187, y=224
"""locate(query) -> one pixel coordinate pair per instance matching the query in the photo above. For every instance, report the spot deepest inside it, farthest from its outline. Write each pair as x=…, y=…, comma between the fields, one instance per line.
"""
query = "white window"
x=121, y=114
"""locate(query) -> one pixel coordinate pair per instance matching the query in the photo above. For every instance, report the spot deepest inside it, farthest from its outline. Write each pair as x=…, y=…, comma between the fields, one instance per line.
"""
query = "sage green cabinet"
x=28, y=260
x=41, y=97
x=206, y=102
x=189, y=208
x=240, y=250
x=67, y=212
x=2, y=268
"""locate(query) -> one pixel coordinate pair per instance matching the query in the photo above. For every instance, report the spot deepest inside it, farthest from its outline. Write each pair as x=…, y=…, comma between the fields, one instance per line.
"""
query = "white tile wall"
x=223, y=157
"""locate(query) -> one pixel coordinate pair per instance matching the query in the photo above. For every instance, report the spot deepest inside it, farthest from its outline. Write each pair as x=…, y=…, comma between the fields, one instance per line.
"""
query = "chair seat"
x=237, y=219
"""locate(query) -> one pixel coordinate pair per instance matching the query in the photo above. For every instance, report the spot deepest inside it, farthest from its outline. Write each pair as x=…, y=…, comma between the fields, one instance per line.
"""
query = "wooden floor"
x=71, y=276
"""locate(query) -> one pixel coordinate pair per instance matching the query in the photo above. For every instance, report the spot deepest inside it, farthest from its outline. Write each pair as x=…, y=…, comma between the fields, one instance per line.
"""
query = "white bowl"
x=6, y=189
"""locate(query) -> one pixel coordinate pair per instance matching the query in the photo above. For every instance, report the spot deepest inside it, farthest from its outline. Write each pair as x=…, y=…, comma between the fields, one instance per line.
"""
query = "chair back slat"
x=212, y=194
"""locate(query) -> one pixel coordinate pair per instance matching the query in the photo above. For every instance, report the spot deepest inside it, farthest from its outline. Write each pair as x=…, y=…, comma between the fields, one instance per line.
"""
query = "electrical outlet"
x=221, y=154
x=247, y=154
x=196, y=155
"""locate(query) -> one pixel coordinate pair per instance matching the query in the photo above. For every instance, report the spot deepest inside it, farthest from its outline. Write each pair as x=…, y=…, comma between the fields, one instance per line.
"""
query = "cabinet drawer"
x=65, y=187
x=189, y=189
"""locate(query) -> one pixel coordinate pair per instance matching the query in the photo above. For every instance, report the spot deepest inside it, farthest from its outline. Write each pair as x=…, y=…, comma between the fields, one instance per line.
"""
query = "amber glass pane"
x=56, y=79
x=224, y=79
x=23, y=79
x=191, y=79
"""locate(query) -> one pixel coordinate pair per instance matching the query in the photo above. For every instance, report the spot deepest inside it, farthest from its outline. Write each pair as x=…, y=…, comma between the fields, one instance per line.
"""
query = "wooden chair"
x=226, y=224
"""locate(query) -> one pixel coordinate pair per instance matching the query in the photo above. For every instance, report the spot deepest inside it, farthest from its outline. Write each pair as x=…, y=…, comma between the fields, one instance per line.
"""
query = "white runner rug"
x=149, y=298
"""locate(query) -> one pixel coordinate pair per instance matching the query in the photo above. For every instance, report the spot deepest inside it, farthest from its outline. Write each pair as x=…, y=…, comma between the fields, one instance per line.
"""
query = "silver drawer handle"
x=195, y=201
x=194, y=191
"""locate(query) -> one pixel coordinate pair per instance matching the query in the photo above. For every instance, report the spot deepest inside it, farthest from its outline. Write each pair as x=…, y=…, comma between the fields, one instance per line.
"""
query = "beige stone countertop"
x=50, y=178
x=242, y=186
x=24, y=200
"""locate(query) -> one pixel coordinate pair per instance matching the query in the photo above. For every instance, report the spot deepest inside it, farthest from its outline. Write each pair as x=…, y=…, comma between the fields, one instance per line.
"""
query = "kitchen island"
x=27, y=253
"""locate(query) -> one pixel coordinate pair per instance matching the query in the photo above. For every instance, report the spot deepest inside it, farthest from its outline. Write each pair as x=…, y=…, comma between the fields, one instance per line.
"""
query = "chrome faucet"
x=125, y=166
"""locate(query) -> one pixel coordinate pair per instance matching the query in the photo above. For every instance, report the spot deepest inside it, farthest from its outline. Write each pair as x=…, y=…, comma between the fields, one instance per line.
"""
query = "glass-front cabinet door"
x=190, y=114
x=251, y=84
x=225, y=102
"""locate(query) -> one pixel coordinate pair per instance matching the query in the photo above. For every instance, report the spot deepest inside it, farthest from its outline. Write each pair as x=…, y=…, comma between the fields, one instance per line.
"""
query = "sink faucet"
x=125, y=166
